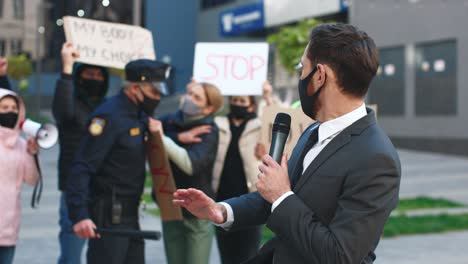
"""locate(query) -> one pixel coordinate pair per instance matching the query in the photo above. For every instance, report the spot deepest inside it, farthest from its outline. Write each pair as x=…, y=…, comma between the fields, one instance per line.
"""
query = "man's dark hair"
x=350, y=52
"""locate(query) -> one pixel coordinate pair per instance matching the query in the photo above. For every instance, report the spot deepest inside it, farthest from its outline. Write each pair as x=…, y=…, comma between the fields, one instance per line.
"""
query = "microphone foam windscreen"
x=282, y=123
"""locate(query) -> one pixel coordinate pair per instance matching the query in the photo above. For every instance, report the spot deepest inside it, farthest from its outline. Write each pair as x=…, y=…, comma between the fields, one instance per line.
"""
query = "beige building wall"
x=19, y=27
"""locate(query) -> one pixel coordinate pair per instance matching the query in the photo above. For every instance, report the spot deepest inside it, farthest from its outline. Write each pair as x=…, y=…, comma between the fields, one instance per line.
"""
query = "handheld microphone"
x=279, y=135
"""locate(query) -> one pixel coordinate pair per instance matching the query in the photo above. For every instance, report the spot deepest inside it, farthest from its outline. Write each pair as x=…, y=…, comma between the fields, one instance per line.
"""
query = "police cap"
x=151, y=71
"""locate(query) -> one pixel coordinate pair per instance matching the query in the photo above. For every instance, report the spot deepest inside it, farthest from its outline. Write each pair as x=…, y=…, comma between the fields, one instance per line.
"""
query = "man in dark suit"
x=330, y=202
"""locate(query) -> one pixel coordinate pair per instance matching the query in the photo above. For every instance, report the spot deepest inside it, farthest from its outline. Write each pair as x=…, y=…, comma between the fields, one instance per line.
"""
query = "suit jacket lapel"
x=338, y=142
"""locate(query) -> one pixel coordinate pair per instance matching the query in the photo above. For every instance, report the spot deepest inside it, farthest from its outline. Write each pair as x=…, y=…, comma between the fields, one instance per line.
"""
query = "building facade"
x=421, y=86
x=18, y=27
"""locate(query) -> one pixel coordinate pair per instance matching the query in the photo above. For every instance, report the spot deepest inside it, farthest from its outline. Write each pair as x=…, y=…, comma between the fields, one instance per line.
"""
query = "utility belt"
x=113, y=209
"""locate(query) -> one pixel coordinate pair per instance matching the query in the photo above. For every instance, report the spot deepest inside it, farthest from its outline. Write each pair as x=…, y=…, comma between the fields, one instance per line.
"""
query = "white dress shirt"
x=327, y=132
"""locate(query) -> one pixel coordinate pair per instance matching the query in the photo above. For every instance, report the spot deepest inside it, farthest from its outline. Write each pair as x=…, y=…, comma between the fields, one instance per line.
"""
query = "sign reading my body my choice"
x=108, y=44
x=235, y=68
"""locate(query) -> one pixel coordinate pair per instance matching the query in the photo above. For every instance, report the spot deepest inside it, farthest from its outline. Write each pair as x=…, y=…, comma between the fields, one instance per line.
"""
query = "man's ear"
x=322, y=74
x=318, y=79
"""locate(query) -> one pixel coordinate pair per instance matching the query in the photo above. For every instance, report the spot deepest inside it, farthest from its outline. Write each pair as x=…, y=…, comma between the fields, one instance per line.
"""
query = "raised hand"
x=200, y=205
x=69, y=56
x=3, y=66
x=267, y=92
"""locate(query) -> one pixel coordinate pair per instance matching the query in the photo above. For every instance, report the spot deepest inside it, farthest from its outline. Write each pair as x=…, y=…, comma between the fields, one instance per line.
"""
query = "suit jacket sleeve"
x=63, y=104
x=249, y=210
x=369, y=194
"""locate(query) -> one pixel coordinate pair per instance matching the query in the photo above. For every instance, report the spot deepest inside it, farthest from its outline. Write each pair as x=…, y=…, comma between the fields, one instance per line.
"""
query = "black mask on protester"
x=148, y=105
x=308, y=102
x=8, y=119
x=93, y=88
x=239, y=112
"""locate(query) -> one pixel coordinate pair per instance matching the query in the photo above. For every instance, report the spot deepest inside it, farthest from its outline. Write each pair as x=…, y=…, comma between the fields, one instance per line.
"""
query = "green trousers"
x=188, y=241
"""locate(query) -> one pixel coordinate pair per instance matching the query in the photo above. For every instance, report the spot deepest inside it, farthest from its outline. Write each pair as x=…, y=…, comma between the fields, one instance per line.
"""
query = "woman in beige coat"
x=235, y=172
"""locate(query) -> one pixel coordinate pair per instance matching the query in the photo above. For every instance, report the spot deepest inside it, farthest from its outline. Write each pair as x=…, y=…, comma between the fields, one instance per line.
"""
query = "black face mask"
x=8, y=119
x=308, y=102
x=148, y=105
x=239, y=112
x=92, y=88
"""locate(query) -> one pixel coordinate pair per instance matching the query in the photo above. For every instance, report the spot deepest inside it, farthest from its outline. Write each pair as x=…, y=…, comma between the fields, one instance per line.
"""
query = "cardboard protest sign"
x=235, y=68
x=108, y=44
x=163, y=180
x=299, y=122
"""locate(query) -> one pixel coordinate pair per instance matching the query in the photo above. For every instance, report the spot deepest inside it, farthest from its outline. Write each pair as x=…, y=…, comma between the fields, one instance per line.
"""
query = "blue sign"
x=243, y=19
x=344, y=5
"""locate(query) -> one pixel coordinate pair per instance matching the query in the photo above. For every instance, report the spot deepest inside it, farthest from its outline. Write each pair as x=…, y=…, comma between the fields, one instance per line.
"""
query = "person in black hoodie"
x=4, y=83
x=76, y=97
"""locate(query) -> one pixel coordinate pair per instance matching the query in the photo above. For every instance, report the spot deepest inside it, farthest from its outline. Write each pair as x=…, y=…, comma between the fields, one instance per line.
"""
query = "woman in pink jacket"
x=16, y=166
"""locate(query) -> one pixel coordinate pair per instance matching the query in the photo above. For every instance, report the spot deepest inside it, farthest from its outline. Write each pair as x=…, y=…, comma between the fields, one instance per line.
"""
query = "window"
x=18, y=9
x=2, y=48
x=16, y=46
x=387, y=90
x=436, y=78
x=212, y=3
x=1, y=8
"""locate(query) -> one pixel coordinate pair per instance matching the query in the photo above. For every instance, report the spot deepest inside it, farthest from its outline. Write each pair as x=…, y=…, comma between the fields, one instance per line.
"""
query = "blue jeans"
x=7, y=254
x=71, y=246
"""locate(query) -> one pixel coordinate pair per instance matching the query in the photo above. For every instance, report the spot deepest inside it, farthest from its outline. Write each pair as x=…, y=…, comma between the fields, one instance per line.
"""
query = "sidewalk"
x=423, y=174
x=38, y=242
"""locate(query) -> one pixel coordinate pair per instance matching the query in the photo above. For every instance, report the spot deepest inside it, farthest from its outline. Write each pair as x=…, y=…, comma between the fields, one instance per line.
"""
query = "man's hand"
x=200, y=205
x=273, y=180
x=260, y=151
x=85, y=229
x=155, y=126
x=69, y=56
x=33, y=147
x=193, y=135
x=3, y=66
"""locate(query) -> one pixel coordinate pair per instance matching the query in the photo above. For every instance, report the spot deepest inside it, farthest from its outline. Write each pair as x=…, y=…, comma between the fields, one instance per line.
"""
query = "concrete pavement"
x=423, y=174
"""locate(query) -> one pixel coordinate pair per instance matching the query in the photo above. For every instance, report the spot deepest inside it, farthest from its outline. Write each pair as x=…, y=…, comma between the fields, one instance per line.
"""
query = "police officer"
x=108, y=173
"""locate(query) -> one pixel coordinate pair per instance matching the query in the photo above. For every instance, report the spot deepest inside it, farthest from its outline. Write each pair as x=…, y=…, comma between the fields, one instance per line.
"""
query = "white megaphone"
x=46, y=135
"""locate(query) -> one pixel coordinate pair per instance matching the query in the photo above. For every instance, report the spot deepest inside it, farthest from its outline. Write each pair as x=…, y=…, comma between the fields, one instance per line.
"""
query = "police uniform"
x=108, y=173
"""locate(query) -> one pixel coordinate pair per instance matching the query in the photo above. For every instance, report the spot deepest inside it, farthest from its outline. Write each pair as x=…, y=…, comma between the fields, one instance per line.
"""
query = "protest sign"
x=108, y=44
x=299, y=122
x=235, y=68
x=163, y=180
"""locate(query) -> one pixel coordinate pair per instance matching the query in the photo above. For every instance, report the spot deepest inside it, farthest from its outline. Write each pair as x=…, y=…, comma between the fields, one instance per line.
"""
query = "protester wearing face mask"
x=235, y=173
x=17, y=166
x=189, y=240
x=329, y=203
x=107, y=175
x=77, y=94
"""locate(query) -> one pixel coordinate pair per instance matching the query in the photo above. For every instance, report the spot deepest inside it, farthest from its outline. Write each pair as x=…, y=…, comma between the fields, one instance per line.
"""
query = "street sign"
x=242, y=19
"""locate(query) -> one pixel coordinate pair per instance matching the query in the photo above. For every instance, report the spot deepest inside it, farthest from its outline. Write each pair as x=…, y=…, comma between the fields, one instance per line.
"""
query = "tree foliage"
x=19, y=67
x=290, y=42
